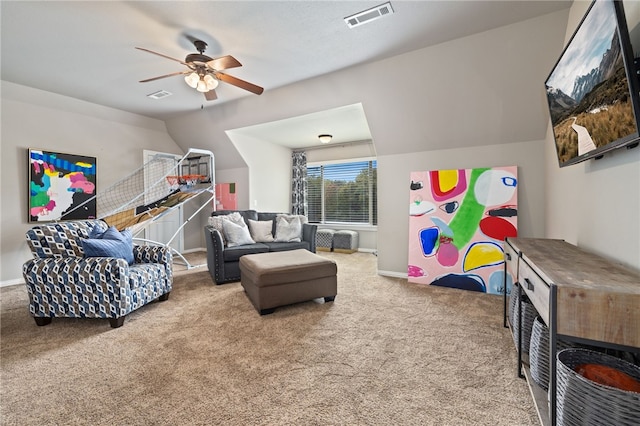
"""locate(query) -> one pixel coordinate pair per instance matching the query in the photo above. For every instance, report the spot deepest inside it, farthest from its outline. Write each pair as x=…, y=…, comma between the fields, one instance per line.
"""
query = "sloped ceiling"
x=85, y=50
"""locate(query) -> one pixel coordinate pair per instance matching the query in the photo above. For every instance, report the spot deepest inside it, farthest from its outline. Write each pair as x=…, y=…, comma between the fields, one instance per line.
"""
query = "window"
x=343, y=192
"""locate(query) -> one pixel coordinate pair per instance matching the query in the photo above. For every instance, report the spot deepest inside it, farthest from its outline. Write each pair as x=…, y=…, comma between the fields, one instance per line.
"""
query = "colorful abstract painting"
x=61, y=186
x=458, y=220
x=226, y=198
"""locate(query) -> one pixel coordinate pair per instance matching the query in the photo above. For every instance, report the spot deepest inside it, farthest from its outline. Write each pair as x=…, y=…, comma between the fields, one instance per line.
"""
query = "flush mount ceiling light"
x=369, y=15
x=325, y=138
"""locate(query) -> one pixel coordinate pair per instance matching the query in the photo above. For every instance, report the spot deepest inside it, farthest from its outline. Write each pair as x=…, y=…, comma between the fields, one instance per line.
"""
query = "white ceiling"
x=345, y=124
x=85, y=49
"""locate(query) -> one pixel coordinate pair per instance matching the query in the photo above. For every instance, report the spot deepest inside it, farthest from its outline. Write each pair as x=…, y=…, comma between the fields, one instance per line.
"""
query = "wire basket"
x=581, y=401
x=539, y=353
x=513, y=303
x=528, y=316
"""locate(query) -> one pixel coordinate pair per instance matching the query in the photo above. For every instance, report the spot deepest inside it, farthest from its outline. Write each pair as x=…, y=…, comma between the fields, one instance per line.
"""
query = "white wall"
x=269, y=168
x=595, y=204
x=32, y=118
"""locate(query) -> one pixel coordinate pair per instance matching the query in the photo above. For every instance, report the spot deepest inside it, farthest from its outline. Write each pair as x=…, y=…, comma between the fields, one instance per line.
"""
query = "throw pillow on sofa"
x=216, y=223
x=236, y=218
x=261, y=230
x=110, y=243
x=288, y=228
x=236, y=235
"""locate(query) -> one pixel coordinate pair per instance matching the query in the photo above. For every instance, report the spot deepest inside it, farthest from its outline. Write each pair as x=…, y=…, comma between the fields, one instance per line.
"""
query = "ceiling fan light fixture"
x=325, y=138
x=211, y=82
x=192, y=79
x=202, y=86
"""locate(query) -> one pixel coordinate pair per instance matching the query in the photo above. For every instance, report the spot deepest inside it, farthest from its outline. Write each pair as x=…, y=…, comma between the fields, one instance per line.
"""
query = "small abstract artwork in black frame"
x=61, y=186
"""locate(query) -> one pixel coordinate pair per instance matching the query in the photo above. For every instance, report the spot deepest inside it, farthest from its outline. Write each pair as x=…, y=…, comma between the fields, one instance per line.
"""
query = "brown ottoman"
x=281, y=278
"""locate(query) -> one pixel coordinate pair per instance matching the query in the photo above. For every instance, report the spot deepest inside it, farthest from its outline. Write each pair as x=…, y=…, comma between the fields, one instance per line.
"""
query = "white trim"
x=9, y=283
x=367, y=142
x=368, y=250
x=350, y=226
x=393, y=274
x=193, y=250
x=346, y=160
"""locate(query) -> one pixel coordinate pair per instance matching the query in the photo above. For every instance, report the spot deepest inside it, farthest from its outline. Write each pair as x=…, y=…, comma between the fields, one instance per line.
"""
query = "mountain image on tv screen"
x=587, y=91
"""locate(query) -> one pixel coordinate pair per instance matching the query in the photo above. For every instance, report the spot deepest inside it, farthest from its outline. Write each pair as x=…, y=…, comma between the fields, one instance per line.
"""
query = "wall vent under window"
x=159, y=94
x=369, y=15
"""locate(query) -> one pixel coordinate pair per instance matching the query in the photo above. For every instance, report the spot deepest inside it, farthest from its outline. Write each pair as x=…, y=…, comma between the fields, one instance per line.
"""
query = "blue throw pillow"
x=112, y=243
x=96, y=232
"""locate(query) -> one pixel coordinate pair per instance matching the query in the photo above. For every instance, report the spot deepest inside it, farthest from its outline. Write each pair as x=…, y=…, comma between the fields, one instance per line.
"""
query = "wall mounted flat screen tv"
x=592, y=91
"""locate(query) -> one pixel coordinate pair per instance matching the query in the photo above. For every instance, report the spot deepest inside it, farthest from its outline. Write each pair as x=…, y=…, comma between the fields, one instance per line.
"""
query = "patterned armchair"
x=61, y=282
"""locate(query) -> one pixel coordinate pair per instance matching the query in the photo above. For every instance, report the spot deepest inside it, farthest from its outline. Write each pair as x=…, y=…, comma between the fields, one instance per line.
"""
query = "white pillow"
x=288, y=229
x=236, y=218
x=303, y=218
x=236, y=235
x=261, y=230
x=216, y=223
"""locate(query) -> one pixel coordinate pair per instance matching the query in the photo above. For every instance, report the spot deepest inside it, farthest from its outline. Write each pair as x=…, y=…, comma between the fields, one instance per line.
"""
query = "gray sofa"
x=224, y=262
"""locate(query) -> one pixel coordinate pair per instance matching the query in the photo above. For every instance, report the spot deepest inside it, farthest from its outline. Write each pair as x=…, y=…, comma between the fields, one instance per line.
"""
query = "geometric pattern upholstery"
x=345, y=241
x=324, y=239
x=62, y=283
x=61, y=239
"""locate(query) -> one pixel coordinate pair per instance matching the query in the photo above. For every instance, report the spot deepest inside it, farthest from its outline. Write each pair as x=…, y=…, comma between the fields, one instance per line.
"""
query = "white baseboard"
x=393, y=274
x=7, y=283
x=367, y=250
x=193, y=250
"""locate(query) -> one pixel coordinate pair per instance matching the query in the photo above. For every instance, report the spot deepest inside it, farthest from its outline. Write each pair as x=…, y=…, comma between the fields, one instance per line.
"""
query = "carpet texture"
x=384, y=353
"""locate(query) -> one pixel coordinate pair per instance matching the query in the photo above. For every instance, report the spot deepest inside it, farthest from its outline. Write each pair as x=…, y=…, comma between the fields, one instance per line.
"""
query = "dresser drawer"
x=535, y=288
x=511, y=260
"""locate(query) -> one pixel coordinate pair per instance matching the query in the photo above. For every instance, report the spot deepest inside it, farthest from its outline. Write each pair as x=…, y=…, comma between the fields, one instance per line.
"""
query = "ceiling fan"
x=204, y=73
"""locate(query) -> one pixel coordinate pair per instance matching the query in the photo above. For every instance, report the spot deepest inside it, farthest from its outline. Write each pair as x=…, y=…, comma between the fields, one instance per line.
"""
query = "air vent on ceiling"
x=369, y=15
x=159, y=94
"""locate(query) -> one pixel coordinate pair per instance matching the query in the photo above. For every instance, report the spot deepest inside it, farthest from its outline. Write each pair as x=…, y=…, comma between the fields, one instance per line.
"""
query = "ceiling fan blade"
x=240, y=83
x=164, y=56
x=210, y=95
x=223, y=63
x=165, y=76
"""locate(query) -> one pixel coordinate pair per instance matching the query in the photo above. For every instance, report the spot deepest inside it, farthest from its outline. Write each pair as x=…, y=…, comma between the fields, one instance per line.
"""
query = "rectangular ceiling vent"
x=369, y=15
x=159, y=94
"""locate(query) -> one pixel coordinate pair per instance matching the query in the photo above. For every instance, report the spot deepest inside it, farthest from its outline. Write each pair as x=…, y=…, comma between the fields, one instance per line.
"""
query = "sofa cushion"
x=261, y=230
x=274, y=217
x=216, y=223
x=233, y=254
x=144, y=274
x=246, y=214
x=236, y=235
x=288, y=228
x=288, y=246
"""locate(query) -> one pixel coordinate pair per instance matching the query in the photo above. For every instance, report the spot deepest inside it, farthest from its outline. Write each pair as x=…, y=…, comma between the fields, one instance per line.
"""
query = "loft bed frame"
x=156, y=190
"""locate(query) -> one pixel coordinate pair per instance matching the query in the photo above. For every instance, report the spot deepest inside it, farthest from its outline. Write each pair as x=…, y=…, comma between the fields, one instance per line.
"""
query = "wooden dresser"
x=580, y=296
